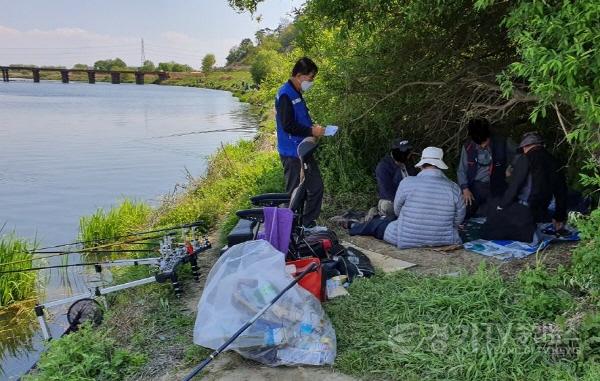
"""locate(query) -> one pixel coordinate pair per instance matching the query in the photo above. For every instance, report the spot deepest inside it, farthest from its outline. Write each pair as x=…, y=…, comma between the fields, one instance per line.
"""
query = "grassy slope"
x=390, y=325
x=147, y=325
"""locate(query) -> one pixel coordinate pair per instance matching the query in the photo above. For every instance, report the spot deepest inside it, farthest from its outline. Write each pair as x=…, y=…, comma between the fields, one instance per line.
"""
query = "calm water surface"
x=68, y=149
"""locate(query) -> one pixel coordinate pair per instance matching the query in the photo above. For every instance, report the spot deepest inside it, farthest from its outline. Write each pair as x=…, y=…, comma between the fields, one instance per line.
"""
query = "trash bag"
x=294, y=331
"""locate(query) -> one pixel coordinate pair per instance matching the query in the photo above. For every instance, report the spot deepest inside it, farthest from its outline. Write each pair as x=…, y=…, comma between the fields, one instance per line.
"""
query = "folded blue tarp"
x=508, y=250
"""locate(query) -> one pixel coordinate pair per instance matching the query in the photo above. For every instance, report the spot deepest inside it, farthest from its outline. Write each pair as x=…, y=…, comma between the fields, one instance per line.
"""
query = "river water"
x=68, y=149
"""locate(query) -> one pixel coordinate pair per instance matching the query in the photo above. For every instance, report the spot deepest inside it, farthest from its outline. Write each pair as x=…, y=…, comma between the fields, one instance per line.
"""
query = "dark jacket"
x=469, y=167
x=537, y=178
x=389, y=175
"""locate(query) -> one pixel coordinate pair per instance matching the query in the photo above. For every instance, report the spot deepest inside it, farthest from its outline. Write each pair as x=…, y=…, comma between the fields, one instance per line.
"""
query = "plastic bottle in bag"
x=263, y=334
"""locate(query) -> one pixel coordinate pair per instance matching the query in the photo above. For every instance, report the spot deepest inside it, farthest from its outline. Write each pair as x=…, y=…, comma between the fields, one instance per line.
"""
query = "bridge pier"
x=115, y=78
x=91, y=76
x=64, y=74
x=162, y=76
x=139, y=78
x=36, y=75
x=5, y=74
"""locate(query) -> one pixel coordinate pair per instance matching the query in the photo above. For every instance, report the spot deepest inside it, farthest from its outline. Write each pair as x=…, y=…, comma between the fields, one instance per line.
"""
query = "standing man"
x=293, y=125
x=390, y=170
x=482, y=169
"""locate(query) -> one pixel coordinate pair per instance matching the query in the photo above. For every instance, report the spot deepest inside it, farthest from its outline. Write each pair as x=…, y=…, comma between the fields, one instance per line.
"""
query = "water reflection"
x=66, y=150
x=17, y=328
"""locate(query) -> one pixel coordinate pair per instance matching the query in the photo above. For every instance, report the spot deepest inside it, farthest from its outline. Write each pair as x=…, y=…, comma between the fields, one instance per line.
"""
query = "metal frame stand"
x=167, y=263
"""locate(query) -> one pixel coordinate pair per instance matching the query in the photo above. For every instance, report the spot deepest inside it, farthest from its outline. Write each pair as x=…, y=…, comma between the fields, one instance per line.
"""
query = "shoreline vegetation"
x=416, y=70
x=389, y=313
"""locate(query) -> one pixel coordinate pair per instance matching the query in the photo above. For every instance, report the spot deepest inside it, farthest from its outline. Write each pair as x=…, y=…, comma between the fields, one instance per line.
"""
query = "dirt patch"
x=433, y=262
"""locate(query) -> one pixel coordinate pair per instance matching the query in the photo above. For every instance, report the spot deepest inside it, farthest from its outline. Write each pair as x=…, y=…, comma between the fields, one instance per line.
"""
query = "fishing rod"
x=84, y=251
x=239, y=129
x=184, y=226
x=106, y=263
x=88, y=250
x=212, y=356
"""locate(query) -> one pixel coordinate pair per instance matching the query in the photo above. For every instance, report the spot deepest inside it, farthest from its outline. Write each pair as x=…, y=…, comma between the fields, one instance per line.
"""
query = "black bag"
x=351, y=262
x=319, y=244
x=515, y=222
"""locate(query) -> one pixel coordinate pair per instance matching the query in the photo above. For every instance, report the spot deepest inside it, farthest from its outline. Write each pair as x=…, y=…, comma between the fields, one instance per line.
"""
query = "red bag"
x=313, y=282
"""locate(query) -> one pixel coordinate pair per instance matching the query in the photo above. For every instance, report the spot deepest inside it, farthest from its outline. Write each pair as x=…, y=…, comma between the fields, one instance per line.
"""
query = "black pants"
x=374, y=228
x=481, y=193
x=515, y=222
x=312, y=181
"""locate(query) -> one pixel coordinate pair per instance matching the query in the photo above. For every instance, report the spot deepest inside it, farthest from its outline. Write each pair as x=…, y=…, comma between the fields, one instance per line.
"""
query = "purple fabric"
x=278, y=227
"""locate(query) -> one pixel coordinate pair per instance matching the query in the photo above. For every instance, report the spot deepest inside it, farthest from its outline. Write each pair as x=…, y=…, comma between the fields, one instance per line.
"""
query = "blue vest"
x=287, y=144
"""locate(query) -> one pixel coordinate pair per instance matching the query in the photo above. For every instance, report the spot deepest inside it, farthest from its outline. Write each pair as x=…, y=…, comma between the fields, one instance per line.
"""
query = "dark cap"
x=530, y=138
x=402, y=145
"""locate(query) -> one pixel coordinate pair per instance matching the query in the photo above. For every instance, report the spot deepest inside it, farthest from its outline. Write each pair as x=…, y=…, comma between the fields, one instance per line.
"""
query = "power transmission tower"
x=143, y=54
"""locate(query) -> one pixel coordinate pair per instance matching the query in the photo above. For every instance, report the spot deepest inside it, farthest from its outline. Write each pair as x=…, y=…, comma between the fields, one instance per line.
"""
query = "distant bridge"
x=115, y=75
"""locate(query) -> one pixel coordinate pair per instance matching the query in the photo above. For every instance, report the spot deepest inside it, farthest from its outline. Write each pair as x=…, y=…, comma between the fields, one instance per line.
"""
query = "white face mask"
x=306, y=85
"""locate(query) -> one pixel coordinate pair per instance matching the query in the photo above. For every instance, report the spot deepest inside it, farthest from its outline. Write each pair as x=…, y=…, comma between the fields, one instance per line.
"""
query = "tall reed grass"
x=18, y=286
x=119, y=220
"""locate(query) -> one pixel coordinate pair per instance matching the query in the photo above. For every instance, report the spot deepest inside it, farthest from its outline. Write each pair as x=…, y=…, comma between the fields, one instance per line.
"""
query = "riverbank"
x=147, y=327
x=431, y=323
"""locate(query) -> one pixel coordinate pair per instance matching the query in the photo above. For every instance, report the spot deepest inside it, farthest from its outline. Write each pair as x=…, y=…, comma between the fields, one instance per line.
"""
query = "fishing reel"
x=86, y=308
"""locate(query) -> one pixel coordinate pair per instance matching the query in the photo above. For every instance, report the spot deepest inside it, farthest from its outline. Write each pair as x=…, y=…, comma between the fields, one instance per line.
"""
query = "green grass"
x=88, y=355
x=235, y=173
x=120, y=220
x=20, y=286
x=472, y=327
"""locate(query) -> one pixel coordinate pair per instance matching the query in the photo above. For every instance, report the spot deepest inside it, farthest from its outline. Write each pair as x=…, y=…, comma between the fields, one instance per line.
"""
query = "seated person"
x=482, y=167
x=535, y=180
x=429, y=208
x=390, y=170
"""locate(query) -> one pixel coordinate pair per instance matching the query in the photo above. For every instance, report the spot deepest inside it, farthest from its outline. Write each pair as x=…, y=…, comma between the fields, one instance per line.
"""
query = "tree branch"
x=394, y=93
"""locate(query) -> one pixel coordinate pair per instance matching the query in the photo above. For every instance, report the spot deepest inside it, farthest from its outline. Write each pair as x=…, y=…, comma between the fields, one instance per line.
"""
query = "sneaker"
x=354, y=215
x=373, y=212
x=343, y=222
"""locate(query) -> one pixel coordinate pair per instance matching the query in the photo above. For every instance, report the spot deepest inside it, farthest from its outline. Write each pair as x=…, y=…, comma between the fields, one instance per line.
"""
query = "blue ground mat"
x=508, y=250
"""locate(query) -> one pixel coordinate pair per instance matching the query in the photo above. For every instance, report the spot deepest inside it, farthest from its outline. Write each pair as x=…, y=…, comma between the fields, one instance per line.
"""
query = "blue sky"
x=65, y=32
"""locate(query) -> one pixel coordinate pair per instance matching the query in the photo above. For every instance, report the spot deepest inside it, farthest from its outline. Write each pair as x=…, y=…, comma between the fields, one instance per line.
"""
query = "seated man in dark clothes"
x=482, y=167
x=535, y=180
x=390, y=170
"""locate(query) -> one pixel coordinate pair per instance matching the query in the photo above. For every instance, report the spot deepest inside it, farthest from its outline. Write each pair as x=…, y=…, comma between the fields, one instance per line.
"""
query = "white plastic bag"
x=294, y=331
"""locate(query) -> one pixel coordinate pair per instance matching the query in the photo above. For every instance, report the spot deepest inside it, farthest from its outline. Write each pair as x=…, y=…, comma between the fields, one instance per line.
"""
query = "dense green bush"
x=87, y=355
x=586, y=258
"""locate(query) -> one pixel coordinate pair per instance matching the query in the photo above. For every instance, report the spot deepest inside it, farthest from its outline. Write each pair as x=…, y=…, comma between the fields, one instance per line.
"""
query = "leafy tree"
x=421, y=69
x=109, y=64
x=148, y=66
x=244, y=5
x=80, y=66
x=265, y=62
x=174, y=67
x=208, y=62
x=559, y=62
x=165, y=66
x=239, y=53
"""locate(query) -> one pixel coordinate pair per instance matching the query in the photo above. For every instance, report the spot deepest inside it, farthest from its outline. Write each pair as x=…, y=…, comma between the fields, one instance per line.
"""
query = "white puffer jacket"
x=429, y=208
